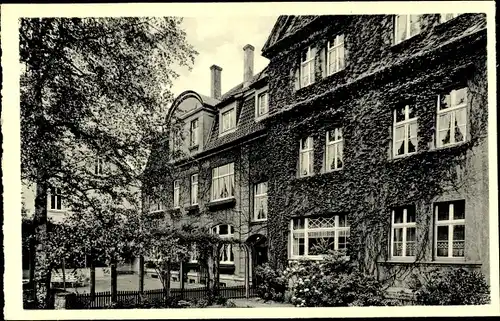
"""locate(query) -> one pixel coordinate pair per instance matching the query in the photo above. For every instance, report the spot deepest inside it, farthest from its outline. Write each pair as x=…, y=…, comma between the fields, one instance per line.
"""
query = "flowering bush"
x=271, y=283
x=451, y=287
x=331, y=282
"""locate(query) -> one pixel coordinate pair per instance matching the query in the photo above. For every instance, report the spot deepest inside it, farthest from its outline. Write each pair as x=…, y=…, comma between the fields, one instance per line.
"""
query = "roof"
x=245, y=116
x=285, y=27
x=209, y=100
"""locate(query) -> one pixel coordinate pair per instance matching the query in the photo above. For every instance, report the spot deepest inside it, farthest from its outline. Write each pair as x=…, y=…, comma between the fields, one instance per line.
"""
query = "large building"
x=365, y=134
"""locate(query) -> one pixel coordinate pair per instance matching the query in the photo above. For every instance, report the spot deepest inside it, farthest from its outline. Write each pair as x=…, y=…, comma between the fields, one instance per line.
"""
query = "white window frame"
x=193, y=254
x=227, y=247
x=443, y=17
x=406, y=123
x=220, y=178
x=177, y=194
x=232, y=110
x=408, y=34
x=306, y=230
x=450, y=223
x=193, y=132
x=98, y=166
x=335, y=145
x=452, y=110
x=309, y=63
x=405, y=225
x=338, y=46
x=310, y=158
x=258, y=94
x=156, y=206
x=260, y=197
x=194, y=189
x=56, y=193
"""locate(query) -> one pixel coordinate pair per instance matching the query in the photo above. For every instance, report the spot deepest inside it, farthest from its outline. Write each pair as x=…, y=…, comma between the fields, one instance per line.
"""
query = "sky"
x=220, y=41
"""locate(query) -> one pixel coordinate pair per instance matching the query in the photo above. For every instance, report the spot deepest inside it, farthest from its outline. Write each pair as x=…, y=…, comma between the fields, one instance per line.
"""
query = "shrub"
x=271, y=283
x=220, y=300
x=230, y=304
x=332, y=282
x=451, y=287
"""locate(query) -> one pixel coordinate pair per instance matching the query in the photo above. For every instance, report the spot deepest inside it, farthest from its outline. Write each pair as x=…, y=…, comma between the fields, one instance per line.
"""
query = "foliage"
x=451, y=287
x=271, y=283
x=332, y=282
x=93, y=87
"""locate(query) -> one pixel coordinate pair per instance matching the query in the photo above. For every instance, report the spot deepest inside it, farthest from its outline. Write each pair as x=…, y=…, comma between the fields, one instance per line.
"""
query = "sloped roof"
x=285, y=27
x=246, y=124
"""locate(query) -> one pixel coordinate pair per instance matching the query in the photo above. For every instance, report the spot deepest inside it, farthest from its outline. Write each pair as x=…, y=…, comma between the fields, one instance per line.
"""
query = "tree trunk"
x=141, y=274
x=114, y=278
x=92, y=278
x=64, y=275
x=182, y=279
x=40, y=229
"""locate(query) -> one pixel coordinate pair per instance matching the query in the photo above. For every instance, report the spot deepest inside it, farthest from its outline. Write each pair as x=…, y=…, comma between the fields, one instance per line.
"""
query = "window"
x=156, y=206
x=228, y=120
x=404, y=131
x=193, y=133
x=403, y=231
x=225, y=231
x=98, y=165
x=334, y=149
x=405, y=27
x=194, y=189
x=447, y=16
x=193, y=254
x=306, y=157
x=335, y=55
x=223, y=182
x=314, y=237
x=451, y=117
x=307, y=67
x=177, y=190
x=450, y=229
x=260, y=202
x=55, y=199
x=262, y=104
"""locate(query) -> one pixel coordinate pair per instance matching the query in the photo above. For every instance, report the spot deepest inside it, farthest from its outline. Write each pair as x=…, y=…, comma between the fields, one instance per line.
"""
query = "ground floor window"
x=449, y=233
x=314, y=237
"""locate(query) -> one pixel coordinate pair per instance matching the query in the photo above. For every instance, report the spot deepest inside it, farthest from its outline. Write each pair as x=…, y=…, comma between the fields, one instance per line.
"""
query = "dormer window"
x=307, y=66
x=261, y=103
x=98, y=165
x=406, y=26
x=193, y=133
x=228, y=119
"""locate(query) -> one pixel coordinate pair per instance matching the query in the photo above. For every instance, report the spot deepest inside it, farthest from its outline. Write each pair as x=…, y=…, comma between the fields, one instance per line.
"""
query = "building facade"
x=365, y=135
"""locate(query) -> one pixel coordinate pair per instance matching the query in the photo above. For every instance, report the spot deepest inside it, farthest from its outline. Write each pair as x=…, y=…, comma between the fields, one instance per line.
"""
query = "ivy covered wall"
x=379, y=76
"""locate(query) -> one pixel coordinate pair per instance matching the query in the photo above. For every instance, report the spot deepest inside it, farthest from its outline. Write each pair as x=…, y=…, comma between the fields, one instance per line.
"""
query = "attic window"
x=261, y=103
x=307, y=66
x=228, y=119
x=405, y=27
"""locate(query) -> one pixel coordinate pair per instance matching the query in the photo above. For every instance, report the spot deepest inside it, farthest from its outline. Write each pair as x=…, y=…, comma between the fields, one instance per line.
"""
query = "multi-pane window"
x=223, y=182
x=447, y=16
x=404, y=131
x=403, y=231
x=335, y=54
x=177, y=192
x=306, y=153
x=194, y=189
x=307, y=67
x=260, y=202
x=406, y=26
x=156, y=206
x=98, y=165
x=228, y=120
x=55, y=199
x=452, y=117
x=334, y=149
x=314, y=237
x=225, y=231
x=262, y=104
x=449, y=229
x=193, y=133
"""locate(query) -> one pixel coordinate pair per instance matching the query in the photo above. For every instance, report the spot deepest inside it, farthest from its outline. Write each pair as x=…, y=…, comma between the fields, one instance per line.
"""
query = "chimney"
x=248, y=64
x=215, y=87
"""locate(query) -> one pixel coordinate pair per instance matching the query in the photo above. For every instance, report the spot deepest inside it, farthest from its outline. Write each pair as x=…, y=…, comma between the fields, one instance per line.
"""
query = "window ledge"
x=155, y=214
x=435, y=263
x=192, y=208
x=175, y=210
x=260, y=118
x=404, y=156
x=255, y=222
x=447, y=146
x=405, y=44
x=335, y=170
x=194, y=147
x=223, y=203
x=228, y=132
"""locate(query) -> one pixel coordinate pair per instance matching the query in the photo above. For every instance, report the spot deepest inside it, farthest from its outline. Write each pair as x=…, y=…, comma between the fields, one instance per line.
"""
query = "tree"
x=93, y=87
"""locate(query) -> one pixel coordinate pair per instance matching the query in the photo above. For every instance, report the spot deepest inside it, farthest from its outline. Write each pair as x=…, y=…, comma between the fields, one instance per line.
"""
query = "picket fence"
x=102, y=300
